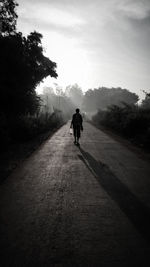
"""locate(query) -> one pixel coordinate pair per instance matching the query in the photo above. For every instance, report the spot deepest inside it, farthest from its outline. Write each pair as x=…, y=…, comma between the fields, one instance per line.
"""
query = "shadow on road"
x=134, y=209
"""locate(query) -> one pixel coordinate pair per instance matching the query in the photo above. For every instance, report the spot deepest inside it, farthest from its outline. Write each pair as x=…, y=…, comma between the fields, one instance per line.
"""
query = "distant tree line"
x=94, y=99
x=103, y=97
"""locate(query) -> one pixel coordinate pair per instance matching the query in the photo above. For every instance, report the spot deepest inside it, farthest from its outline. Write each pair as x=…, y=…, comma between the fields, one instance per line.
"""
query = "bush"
x=24, y=128
x=130, y=121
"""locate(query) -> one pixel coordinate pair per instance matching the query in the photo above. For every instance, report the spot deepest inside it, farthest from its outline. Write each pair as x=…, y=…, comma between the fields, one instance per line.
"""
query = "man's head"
x=77, y=110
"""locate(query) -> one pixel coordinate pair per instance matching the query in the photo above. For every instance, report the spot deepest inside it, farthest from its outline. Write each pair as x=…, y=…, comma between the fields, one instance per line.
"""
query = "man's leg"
x=78, y=135
x=75, y=135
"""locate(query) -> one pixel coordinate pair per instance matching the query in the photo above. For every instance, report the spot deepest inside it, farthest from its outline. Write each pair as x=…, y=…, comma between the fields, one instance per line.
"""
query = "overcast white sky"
x=94, y=42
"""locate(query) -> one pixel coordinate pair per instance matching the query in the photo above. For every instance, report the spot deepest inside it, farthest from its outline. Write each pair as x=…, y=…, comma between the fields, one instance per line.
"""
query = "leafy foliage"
x=103, y=97
x=130, y=121
x=8, y=17
x=146, y=101
x=22, y=67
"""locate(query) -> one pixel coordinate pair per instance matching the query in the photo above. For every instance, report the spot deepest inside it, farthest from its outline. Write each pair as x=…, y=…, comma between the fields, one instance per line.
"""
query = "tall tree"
x=22, y=64
x=22, y=67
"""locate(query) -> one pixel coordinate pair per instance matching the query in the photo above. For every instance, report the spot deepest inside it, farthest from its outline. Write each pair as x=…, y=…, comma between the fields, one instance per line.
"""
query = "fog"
x=89, y=102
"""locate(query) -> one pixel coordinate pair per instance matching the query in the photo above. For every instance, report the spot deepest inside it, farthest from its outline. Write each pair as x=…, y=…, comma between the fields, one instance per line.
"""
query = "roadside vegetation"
x=25, y=117
x=22, y=67
x=131, y=121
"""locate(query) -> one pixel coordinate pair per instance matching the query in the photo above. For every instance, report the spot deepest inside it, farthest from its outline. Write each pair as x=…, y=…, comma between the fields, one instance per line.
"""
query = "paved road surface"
x=66, y=206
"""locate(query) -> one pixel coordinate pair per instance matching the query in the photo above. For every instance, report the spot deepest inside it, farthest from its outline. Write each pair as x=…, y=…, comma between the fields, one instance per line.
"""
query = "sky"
x=94, y=42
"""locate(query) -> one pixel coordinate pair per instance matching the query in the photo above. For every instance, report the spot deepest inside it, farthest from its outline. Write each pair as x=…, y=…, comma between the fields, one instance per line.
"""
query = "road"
x=70, y=206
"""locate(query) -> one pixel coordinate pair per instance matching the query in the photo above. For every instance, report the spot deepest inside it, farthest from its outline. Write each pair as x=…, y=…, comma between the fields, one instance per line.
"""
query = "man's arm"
x=81, y=123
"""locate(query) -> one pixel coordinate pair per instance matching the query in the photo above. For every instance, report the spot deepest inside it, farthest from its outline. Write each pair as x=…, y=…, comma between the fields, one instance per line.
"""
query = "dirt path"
x=66, y=206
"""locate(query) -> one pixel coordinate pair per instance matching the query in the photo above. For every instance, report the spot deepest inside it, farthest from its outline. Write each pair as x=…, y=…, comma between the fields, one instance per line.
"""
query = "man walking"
x=77, y=126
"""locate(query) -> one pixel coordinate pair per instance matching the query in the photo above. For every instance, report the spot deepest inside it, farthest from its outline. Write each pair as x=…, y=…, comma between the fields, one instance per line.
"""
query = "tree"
x=56, y=101
x=103, y=97
x=59, y=90
x=146, y=102
x=8, y=17
x=74, y=92
x=22, y=67
x=22, y=64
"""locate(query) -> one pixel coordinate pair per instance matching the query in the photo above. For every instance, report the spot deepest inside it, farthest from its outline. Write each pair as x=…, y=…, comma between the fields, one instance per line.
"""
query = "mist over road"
x=70, y=206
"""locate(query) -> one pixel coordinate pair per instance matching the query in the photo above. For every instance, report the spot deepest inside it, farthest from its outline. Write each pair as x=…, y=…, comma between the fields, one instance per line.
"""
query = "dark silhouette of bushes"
x=24, y=128
x=132, y=122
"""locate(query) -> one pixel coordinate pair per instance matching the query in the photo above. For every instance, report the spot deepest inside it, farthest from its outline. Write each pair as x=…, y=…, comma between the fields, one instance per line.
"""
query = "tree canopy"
x=103, y=97
x=22, y=66
x=8, y=17
x=146, y=102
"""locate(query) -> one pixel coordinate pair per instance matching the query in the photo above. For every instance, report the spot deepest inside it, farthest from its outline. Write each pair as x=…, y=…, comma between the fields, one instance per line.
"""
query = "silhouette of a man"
x=77, y=126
